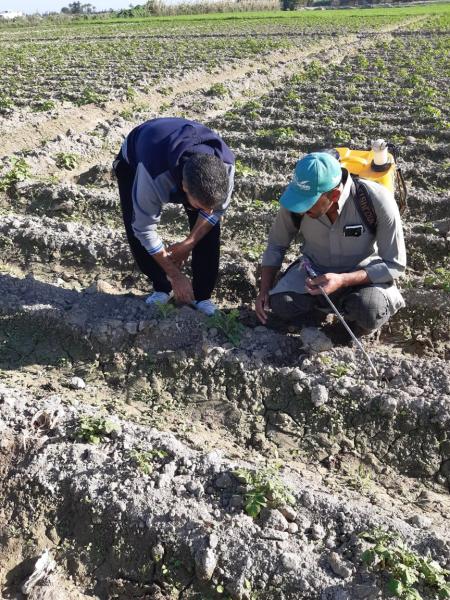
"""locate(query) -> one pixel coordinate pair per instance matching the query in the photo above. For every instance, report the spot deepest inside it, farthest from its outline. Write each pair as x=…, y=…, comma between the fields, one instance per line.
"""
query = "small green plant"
x=405, y=568
x=243, y=170
x=291, y=96
x=6, y=103
x=314, y=70
x=439, y=279
x=165, y=91
x=217, y=90
x=361, y=479
x=253, y=251
x=44, y=105
x=144, y=459
x=228, y=324
x=362, y=61
x=66, y=160
x=89, y=96
x=264, y=488
x=94, y=429
x=126, y=114
x=339, y=370
x=19, y=171
x=250, y=108
x=342, y=135
x=165, y=310
x=431, y=111
x=278, y=134
x=130, y=94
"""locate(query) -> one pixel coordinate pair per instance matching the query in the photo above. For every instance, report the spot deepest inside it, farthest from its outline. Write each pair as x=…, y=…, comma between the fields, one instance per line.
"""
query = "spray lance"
x=311, y=272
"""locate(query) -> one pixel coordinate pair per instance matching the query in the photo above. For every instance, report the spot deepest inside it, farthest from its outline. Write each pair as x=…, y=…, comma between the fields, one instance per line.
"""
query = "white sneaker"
x=157, y=298
x=207, y=307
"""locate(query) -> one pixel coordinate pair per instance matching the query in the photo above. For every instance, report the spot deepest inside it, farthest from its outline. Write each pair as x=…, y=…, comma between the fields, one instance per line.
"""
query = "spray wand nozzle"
x=312, y=273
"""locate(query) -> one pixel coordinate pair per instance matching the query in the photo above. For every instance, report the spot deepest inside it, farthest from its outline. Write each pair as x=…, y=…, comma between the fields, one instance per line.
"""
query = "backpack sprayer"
x=380, y=164
x=311, y=272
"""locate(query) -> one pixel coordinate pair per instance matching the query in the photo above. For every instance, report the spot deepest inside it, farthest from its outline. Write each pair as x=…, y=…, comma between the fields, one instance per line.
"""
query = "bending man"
x=357, y=265
x=171, y=160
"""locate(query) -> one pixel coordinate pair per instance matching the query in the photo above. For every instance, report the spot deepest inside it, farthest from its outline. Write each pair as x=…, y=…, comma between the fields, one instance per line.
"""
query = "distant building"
x=9, y=14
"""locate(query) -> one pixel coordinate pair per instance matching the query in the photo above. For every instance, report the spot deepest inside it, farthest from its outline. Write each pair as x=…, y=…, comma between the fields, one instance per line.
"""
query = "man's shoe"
x=157, y=298
x=207, y=307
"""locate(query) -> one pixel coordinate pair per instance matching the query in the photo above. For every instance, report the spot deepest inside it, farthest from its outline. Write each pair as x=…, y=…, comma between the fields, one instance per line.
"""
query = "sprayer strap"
x=364, y=205
x=296, y=219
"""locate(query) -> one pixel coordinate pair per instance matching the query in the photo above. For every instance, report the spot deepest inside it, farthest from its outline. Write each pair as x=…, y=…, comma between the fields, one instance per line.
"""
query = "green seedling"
x=342, y=135
x=165, y=91
x=405, y=569
x=90, y=96
x=264, y=488
x=130, y=94
x=291, y=96
x=217, y=90
x=243, y=170
x=44, y=105
x=145, y=459
x=228, y=324
x=253, y=251
x=340, y=370
x=95, y=429
x=431, y=111
x=439, y=279
x=66, y=160
x=6, y=103
x=278, y=134
x=314, y=70
x=19, y=171
x=126, y=114
x=165, y=310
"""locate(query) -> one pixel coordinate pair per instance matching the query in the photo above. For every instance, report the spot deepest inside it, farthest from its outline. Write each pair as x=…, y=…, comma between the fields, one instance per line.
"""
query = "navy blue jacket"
x=157, y=150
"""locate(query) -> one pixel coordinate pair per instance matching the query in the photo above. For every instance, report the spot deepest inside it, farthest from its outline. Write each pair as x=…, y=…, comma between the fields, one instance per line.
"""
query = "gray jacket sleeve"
x=281, y=235
x=391, y=261
x=147, y=211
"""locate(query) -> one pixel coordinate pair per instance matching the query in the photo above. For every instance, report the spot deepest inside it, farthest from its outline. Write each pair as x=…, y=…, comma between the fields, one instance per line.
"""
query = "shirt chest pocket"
x=355, y=240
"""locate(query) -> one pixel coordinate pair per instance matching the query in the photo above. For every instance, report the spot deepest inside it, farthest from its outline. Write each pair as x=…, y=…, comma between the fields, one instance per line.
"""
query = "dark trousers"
x=205, y=255
x=364, y=306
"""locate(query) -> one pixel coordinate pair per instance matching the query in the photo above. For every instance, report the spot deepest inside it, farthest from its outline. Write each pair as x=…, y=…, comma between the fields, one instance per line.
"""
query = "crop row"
x=397, y=90
x=95, y=63
x=293, y=24
x=94, y=71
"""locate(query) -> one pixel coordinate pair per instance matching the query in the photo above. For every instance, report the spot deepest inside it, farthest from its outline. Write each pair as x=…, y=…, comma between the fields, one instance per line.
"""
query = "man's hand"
x=180, y=251
x=330, y=282
x=182, y=289
x=262, y=306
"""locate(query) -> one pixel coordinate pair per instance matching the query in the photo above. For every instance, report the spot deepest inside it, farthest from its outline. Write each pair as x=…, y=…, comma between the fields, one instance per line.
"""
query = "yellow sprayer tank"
x=360, y=162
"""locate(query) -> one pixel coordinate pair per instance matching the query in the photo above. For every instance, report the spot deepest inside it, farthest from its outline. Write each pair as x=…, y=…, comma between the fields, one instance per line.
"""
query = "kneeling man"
x=357, y=265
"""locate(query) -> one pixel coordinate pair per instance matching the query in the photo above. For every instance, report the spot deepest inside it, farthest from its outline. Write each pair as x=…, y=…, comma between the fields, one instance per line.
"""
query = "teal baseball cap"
x=314, y=174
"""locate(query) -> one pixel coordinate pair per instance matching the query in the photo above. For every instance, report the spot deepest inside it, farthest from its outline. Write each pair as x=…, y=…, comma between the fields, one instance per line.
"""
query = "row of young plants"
x=336, y=21
x=397, y=90
x=93, y=63
x=93, y=71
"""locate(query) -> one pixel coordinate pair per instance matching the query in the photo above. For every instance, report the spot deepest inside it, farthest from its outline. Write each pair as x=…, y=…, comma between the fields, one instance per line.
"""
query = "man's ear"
x=183, y=186
x=334, y=195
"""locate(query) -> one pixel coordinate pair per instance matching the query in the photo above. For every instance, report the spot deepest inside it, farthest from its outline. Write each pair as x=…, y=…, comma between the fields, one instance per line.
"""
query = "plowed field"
x=154, y=453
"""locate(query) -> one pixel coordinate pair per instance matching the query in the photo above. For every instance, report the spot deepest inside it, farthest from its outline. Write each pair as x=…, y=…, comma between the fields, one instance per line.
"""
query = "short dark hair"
x=206, y=178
